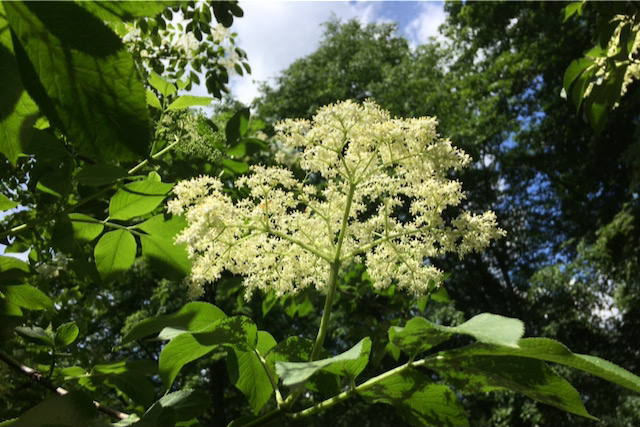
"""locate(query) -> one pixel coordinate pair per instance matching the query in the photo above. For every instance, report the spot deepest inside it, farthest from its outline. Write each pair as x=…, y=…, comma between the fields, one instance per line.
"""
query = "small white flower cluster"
x=630, y=27
x=381, y=201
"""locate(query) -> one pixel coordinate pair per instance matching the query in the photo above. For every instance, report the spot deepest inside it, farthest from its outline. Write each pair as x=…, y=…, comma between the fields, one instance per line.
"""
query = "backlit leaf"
x=87, y=86
x=137, y=198
x=114, y=253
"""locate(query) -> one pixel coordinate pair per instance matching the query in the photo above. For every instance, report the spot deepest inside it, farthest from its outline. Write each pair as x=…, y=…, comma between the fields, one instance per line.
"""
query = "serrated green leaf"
x=27, y=296
x=169, y=260
x=238, y=332
x=182, y=405
x=352, y=368
x=163, y=86
x=66, y=334
x=530, y=377
x=296, y=372
x=142, y=367
x=6, y=203
x=186, y=101
x=71, y=409
x=574, y=70
x=417, y=399
x=237, y=125
x=100, y=174
x=12, y=268
x=235, y=167
x=238, y=150
x=492, y=329
x=117, y=11
x=166, y=229
x=137, y=387
x=177, y=353
x=193, y=317
x=18, y=112
x=130, y=377
x=88, y=87
x=137, y=198
x=571, y=9
x=153, y=100
x=420, y=335
x=297, y=349
x=114, y=253
x=553, y=351
x=36, y=335
x=248, y=374
x=75, y=229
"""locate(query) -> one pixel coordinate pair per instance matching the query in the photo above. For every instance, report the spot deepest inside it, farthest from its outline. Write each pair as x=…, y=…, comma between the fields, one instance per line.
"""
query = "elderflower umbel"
x=287, y=234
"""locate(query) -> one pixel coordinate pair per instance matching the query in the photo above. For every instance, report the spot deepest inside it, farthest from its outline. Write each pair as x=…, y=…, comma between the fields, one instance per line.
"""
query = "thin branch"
x=37, y=377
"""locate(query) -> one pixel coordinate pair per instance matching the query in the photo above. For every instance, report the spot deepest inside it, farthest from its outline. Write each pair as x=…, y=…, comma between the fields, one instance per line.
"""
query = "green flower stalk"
x=288, y=235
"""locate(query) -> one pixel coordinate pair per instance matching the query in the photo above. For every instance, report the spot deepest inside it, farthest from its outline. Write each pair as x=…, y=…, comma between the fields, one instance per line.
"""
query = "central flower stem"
x=326, y=313
x=333, y=278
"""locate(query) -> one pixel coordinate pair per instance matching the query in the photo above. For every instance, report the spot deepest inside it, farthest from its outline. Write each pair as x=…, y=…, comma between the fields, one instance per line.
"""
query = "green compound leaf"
x=248, y=374
x=18, y=112
x=130, y=377
x=166, y=229
x=76, y=228
x=35, y=335
x=137, y=198
x=117, y=11
x=6, y=203
x=186, y=101
x=237, y=126
x=100, y=174
x=531, y=377
x=351, y=363
x=171, y=261
x=296, y=349
x=27, y=296
x=163, y=86
x=417, y=399
x=552, y=351
x=66, y=334
x=182, y=405
x=88, y=87
x=114, y=253
x=238, y=332
x=71, y=409
x=420, y=335
x=153, y=100
x=193, y=317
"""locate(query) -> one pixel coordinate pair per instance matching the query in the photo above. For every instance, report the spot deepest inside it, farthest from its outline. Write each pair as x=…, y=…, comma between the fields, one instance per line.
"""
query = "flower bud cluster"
x=381, y=201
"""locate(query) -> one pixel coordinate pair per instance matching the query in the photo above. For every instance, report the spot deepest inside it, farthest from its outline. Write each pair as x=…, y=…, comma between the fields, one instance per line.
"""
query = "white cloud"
x=426, y=23
x=275, y=33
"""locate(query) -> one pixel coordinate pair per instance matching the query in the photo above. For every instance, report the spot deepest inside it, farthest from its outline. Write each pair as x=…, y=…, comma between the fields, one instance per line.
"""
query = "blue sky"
x=275, y=33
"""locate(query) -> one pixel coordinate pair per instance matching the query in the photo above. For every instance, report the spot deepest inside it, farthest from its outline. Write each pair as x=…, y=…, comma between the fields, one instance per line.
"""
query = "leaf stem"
x=272, y=380
x=348, y=393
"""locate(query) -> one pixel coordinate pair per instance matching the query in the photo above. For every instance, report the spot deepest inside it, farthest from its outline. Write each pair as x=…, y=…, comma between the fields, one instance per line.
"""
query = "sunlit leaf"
x=27, y=296
x=137, y=198
x=66, y=334
x=296, y=372
x=186, y=101
x=193, y=317
x=114, y=253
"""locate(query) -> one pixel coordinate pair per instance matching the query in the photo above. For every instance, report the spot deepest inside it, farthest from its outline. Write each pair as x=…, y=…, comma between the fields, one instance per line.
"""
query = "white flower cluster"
x=606, y=65
x=381, y=201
